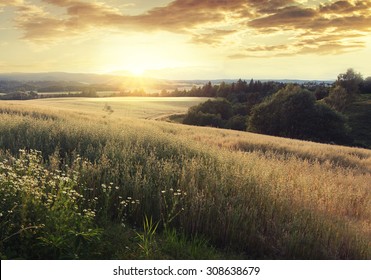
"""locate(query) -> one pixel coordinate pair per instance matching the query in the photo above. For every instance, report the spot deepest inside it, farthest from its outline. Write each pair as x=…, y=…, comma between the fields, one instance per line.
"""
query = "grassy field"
x=106, y=186
x=137, y=107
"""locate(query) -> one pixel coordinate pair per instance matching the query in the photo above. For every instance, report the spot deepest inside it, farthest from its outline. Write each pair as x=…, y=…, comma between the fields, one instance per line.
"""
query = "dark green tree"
x=350, y=81
x=210, y=113
x=338, y=98
x=345, y=90
x=366, y=85
x=293, y=112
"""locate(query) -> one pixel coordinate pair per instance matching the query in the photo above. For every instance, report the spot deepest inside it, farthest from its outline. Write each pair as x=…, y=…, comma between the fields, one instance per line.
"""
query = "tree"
x=366, y=85
x=210, y=113
x=237, y=122
x=330, y=125
x=195, y=117
x=208, y=90
x=345, y=90
x=223, y=90
x=219, y=106
x=293, y=112
x=350, y=81
x=338, y=98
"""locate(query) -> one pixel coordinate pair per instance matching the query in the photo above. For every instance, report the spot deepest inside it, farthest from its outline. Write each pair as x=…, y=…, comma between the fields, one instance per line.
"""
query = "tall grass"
x=264, y=196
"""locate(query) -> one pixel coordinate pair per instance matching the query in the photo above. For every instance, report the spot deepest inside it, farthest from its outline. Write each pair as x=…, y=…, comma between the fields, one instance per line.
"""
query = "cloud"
x=344, y=7
x=180, y=16
x=340, y=15
x=210, y=22
x=215, y=37
x=341, y=21
x=11, y=2
x=286, y=18
x=308, y=44
x=268, y=6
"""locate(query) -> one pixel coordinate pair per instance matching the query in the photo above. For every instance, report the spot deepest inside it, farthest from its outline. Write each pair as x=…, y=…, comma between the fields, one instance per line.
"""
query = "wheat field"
x=266, y=197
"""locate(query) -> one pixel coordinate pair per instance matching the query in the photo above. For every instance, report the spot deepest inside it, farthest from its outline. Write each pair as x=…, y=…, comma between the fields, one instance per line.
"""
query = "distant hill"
x=58, y=76
x=114, y=78
x=61, y=81
x=64, y=82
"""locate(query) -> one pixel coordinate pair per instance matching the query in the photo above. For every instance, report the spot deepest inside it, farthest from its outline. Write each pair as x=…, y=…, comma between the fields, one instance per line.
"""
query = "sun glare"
x=137, y=71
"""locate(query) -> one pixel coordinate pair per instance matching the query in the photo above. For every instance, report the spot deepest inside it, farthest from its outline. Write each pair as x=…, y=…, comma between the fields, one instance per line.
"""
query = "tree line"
x=308, y=111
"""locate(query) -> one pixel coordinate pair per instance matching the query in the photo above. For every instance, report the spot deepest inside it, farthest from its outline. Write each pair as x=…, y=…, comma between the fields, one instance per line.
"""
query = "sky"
x=187, y=39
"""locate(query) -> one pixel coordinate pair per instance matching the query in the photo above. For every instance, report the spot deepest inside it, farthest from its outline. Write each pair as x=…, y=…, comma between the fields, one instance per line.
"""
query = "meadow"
x=137, y=107
x=77, y=181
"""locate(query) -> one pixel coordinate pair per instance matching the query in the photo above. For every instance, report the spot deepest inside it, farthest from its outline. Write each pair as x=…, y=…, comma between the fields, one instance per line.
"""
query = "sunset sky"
x=187, y=39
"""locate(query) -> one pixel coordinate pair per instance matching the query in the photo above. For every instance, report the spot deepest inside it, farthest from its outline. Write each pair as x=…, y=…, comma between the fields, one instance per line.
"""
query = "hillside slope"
x=265, y=197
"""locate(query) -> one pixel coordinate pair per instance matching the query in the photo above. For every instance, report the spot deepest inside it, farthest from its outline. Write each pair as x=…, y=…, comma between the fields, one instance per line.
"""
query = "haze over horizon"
x=185, y=40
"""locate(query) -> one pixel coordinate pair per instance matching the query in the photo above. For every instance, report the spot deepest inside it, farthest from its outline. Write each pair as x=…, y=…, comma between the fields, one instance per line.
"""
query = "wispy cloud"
x=211, y=22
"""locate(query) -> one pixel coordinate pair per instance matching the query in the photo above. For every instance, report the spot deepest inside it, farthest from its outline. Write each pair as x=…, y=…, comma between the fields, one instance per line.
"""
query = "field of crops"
x=83, y=183
x=137, y=107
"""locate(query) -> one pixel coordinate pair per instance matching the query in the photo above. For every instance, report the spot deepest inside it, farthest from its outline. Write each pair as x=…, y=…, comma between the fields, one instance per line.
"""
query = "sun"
x=137, y=71
x=144, y=57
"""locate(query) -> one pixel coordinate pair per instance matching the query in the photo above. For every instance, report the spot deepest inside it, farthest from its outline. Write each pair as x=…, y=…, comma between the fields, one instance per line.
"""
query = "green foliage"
x=338, y=98
x=359, y=115
x=350, y=81
x=330, y=126
x=147, y=242
x=237, y=122
x=293, y=112
x=366, y=85
x=218, y=106
x=210, y=113
x=43, y=213
x=347, y=86
x=179, y=246
x=202, y=119
x=171, y=205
